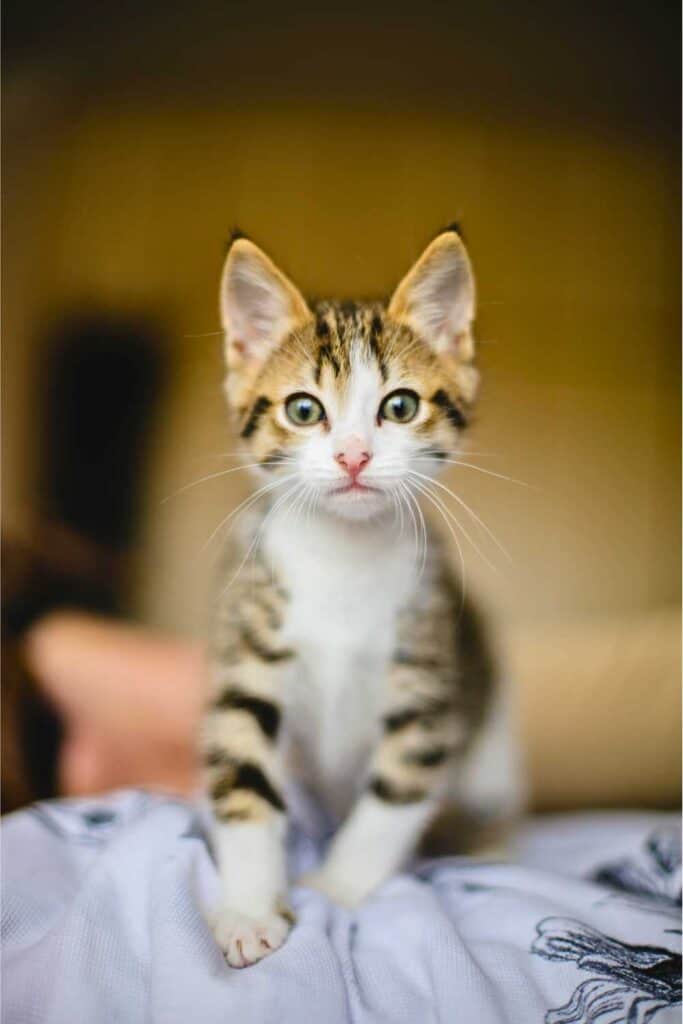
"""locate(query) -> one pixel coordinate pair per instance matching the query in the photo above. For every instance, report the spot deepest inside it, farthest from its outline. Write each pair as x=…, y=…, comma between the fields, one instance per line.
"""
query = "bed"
x=104, y=907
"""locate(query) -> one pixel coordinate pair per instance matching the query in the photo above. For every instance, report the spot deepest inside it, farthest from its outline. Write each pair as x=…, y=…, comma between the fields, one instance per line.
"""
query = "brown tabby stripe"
x=322, y=328
x=397, y=720
x=401, y=719
x=266, y=713
x=263, y=599
x=325, y=354
x=453, y=414
x=392, y=794
x=433, y=453
x=257, y=646
x=273, y=460
x=246, y=775
x=431, y=757
x=232, y=815
x=286, y=913
x=416, y=661
x=375, y=333
x=261, y=405
x=214, y=757
x=230, y=655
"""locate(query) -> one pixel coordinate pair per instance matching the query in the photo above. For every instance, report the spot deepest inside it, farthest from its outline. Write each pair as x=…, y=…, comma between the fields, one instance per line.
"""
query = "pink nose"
x=353, y=456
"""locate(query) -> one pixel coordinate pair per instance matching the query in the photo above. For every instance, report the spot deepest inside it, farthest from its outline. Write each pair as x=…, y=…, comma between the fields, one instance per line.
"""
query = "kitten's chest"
x=344, y=583
x=344, y=592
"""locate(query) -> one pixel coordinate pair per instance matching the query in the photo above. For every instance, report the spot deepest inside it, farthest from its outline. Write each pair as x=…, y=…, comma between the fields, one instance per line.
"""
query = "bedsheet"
x=102, y=921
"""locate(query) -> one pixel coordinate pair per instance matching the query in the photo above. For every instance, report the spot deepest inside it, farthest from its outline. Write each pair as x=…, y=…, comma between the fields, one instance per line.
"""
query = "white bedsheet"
x=102, y=922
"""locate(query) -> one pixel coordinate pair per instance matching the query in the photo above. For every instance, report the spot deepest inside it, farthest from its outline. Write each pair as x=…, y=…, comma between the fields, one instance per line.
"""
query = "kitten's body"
x=344, y=656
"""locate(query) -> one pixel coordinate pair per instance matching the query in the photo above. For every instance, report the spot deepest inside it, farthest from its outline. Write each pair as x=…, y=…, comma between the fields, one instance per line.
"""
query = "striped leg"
x=245, y=775
x=402, y=796
x=425, y=728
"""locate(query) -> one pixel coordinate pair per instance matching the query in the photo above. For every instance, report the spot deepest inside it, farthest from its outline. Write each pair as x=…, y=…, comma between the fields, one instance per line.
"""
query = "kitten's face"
x=350, y=406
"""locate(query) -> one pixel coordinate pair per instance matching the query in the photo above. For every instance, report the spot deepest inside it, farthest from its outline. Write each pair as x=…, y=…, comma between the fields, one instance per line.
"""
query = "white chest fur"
x=346, y=582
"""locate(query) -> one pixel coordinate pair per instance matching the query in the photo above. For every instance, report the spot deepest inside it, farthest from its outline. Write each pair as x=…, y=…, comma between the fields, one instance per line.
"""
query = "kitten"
x=337, y=658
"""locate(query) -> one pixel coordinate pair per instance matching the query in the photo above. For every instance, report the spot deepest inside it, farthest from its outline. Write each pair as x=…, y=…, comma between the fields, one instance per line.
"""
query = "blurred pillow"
x=599, y=708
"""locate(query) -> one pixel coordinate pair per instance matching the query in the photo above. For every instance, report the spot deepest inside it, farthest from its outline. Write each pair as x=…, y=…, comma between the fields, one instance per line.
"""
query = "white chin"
x=357, y=504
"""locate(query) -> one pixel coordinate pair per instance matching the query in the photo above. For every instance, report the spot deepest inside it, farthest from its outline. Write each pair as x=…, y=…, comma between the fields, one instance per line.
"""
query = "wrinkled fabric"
x=103, y=921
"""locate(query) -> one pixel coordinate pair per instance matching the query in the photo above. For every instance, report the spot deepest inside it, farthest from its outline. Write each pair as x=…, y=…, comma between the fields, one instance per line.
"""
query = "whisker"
x=213, y=476
x=438, y=453
x=243, y=505
x=440, y=509
x=254, y=543
x=402, y=493
x=311, y=504
x=298, y=504
x=271, y=511
x=421, y=543
x=403, y=501
x=425, y=543
x=449, y=512
x=394, y=501
x=246, y=455
x=401, y=521
x=401, y=505
x=316, y=500
x=474, y=516
x=480, y=469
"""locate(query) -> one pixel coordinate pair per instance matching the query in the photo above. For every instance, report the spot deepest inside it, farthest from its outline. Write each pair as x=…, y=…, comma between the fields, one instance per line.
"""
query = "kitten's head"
x=349, y=401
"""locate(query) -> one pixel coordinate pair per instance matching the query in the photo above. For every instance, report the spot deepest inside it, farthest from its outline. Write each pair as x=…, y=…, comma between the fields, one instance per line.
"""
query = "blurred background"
x=137, y=135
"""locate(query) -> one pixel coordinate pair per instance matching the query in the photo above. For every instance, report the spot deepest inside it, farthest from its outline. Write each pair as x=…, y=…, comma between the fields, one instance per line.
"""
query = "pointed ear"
x=259, y=306
x=436, y=298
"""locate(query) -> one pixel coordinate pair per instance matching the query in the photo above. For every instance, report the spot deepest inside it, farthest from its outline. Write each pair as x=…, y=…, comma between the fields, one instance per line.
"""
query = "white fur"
x=251, y=865
x=346, y=581
x=369, y=847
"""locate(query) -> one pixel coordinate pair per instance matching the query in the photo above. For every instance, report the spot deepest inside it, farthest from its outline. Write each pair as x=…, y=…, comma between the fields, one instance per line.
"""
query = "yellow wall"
x=123, y=197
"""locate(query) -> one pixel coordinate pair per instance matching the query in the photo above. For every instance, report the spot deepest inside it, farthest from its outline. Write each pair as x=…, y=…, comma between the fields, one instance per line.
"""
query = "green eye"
x=400, y=406
x=304, y=410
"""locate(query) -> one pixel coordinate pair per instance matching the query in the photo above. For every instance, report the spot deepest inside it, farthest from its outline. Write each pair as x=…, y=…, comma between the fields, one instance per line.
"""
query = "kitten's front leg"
x=402, y=795
x=245, y=781
x=371, y=845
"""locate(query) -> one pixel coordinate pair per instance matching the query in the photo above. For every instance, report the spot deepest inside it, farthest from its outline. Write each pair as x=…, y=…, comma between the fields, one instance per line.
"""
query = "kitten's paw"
x=246, y=940
x=345, y=892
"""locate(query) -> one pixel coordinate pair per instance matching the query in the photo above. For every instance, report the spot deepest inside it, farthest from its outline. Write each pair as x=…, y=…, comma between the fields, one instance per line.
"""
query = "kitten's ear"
x=259, y=306
x=436, y=298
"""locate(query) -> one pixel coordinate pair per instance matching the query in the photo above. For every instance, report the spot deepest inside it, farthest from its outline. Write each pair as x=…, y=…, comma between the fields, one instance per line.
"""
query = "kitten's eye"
x=304, y=410
x=400, y=406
